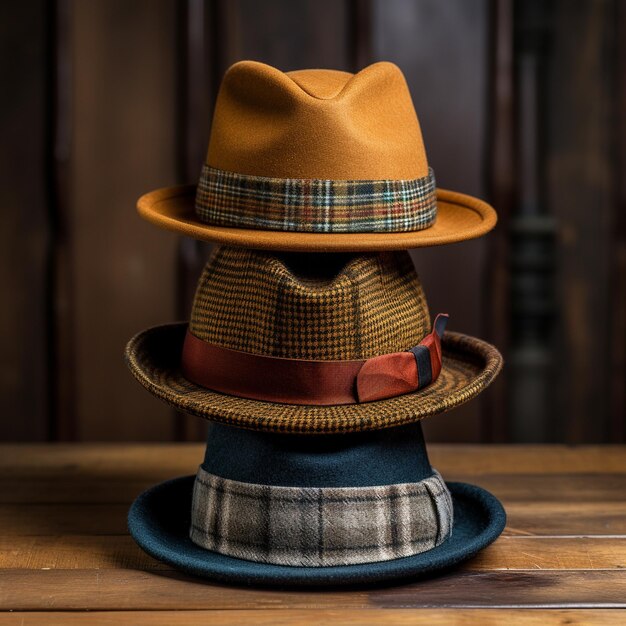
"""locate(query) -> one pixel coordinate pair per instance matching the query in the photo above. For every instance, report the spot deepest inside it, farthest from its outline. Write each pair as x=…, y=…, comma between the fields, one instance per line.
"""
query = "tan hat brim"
x=459, y=217
x=469, y=366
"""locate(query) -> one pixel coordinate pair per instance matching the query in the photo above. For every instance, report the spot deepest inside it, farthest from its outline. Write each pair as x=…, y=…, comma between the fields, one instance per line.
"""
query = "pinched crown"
x=317, y=124
x=334, y=307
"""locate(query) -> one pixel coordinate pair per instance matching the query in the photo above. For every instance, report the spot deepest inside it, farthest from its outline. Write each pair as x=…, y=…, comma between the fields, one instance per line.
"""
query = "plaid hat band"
x=319, y=527
x=315, y=206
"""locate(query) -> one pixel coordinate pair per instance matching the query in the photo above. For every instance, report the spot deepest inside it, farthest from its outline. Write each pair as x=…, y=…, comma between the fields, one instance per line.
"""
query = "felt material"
x=314, y=125
x=386, y=457
x=153, y=356
x=320, y=84
x=459, y=217
x=315, y=206
x=319, y=527
x=160, y=518
x=266, y=124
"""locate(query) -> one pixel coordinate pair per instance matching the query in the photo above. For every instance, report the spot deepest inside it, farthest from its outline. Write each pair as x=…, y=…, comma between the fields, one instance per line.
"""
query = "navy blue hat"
x=327, y=510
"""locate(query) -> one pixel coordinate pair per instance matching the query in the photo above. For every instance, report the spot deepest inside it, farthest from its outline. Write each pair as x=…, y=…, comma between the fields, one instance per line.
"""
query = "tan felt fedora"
x=317, y=161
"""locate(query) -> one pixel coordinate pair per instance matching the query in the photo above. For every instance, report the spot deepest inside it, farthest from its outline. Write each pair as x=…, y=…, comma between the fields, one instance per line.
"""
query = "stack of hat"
x=310, y=347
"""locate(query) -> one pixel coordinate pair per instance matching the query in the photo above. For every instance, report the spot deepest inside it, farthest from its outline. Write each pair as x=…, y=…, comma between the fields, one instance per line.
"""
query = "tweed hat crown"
x=317, y=160
x=346, y=307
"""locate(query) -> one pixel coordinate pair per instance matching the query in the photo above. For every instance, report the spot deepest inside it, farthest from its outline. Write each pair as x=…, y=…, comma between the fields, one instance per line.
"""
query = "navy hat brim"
x=159, y=521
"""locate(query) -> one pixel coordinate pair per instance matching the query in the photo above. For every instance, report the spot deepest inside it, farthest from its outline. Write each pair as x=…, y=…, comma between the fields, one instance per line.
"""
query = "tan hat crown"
x=352, y=308
x=317, y=160
x=317, y=124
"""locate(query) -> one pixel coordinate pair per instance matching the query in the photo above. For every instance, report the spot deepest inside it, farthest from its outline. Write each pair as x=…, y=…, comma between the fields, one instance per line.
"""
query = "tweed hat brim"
x=153, y=356
x=459, y=217
x=159, y=521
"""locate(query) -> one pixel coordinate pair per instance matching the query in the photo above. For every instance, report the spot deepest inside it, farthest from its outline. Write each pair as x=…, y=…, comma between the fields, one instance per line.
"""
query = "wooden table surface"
x=65, y=550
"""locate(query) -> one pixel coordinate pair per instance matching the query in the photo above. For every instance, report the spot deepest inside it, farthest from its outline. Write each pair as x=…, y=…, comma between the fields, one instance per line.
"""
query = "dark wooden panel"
x=201, y=37
x=580, y=188
x=532, y=308
x=125, y=144
x=24, y=228
x=442, y=49
x=501, y=176
x=361, y=31
x=618, y=243
x=291, y=35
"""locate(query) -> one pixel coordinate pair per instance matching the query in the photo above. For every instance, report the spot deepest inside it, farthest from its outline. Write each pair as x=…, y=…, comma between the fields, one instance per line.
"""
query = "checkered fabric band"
x=315, y=206
x=319, y=527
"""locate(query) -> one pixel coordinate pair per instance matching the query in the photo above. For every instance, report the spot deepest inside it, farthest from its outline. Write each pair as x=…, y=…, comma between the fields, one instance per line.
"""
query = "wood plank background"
x=520, y=102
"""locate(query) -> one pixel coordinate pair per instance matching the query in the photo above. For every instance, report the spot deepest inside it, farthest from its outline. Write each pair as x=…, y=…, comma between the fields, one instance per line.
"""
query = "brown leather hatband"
x=298, y=381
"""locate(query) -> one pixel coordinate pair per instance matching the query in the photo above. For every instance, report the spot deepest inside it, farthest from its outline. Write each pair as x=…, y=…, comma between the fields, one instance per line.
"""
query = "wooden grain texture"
x=124, y=119
x=532, y=352
x=64, y=545
x=617, y=261
x=102, y=552
x=317, y=617
x=566, y=518
x=581, y=143
x=96, y=459
x=128, y=589
x=421, y=38
x=562, y=488
x=109, y=474
x=61, y=292
x=291, y=35
x=501, y=176
x=554, y=519
x=200, y=54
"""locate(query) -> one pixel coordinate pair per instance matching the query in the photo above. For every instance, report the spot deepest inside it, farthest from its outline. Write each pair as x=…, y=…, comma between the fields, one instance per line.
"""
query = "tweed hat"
x=279, y=343
x=286, y=510
x=317, y=160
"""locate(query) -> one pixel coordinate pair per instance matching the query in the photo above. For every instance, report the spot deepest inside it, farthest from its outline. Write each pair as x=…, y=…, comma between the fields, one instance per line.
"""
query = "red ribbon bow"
x=394, y=374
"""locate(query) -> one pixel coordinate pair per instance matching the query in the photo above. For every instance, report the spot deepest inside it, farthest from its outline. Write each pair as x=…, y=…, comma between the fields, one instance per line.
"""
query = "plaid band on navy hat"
x=318, y=527
x=316, y=206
